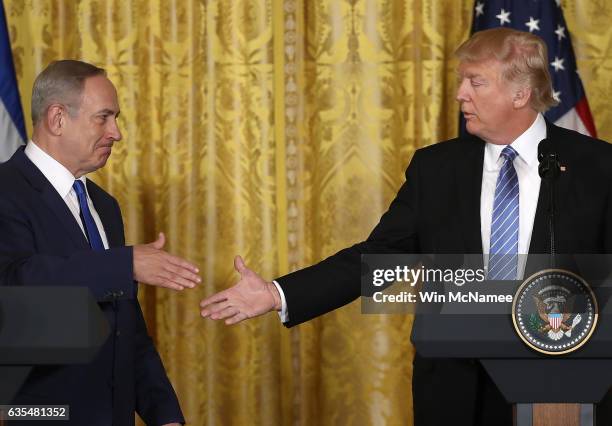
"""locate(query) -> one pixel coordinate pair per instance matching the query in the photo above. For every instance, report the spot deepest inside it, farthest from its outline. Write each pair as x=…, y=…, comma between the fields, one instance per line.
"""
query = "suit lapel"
x=469, y=186
x=51, y=198
x=540, y=234
x=65, y=217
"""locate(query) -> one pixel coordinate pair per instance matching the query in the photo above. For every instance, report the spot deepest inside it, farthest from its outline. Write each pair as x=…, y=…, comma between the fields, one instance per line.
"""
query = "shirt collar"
x=526, y=145
x=59, y=176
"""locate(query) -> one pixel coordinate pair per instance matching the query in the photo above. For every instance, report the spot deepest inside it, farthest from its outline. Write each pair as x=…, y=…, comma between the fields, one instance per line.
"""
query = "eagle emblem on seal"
x=554, y=311
x=555, y=308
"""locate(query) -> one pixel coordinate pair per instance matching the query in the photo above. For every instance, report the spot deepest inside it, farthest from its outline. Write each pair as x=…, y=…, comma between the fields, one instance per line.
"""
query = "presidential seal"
x=554, y=312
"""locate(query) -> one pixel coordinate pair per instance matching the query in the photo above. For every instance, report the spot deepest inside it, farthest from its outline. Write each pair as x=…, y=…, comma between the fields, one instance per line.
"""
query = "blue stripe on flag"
x=9, y=92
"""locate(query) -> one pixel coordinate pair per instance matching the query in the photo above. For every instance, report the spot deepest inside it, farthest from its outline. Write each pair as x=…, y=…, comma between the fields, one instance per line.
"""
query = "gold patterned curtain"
x=279, y=130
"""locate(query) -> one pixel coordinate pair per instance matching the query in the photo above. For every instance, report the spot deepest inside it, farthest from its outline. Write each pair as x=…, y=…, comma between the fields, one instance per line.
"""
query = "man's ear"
x=56, y=119
x=521, y=97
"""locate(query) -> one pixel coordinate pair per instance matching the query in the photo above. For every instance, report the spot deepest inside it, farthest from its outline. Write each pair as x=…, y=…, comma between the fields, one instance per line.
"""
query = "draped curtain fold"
x=279, y=130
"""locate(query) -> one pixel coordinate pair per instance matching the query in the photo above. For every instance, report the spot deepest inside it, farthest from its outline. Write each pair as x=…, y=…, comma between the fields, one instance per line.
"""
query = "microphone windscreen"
x=544, y=148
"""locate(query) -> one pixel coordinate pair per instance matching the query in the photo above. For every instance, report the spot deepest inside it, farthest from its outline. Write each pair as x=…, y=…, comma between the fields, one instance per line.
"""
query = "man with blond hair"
x=476, y=194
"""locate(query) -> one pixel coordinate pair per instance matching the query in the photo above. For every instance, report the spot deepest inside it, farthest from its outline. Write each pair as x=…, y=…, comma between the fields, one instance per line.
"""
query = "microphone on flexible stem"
x=549, y=170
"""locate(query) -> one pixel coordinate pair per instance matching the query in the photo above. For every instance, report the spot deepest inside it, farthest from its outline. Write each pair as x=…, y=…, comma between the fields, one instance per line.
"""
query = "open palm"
x=250, y=297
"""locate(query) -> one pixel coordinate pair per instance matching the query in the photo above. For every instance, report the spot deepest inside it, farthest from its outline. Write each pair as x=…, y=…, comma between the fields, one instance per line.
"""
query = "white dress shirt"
x=62, y=180
x=526, y=165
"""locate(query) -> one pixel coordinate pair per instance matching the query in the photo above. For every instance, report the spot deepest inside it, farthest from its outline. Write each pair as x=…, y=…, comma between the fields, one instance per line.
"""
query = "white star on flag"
x=557, y=96
x=479, y=9
x=560, y=31
x=533, y=24
x=557, y=64
x=503, y=17
x=558, y=3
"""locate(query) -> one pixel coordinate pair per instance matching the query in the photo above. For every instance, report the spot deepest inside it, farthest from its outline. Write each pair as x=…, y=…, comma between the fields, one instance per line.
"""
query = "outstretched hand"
x=250, y=297
x=154, y=266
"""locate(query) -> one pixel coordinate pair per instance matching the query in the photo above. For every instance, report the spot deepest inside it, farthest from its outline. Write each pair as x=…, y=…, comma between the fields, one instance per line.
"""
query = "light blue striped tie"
x=503, y=255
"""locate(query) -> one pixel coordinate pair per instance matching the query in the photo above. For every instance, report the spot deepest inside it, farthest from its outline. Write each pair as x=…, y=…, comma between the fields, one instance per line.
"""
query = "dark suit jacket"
x=42, y=245
x=437, y=210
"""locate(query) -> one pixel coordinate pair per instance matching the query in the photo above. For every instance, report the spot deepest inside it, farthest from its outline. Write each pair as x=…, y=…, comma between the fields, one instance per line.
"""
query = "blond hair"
x=523, y=56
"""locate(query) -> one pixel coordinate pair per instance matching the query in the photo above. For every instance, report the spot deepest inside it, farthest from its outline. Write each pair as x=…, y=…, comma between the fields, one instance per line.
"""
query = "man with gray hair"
x=59, y=228
x=478, y=194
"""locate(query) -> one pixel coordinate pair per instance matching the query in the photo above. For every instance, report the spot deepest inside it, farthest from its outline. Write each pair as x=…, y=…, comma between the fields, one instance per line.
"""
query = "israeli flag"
x=12, y=127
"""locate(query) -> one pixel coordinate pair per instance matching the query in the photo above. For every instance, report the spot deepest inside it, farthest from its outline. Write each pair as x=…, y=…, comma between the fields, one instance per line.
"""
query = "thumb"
x=160, y=242
x=240, y=266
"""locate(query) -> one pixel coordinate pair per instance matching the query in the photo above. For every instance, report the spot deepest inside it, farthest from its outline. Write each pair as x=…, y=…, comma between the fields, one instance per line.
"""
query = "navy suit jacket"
x=41, y=244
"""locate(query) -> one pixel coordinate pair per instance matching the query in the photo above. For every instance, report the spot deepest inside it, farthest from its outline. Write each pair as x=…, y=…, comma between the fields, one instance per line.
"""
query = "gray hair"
x=61, y=82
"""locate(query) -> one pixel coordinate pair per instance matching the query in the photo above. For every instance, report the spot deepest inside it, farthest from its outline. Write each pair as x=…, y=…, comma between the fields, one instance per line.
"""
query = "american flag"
x=545, y=19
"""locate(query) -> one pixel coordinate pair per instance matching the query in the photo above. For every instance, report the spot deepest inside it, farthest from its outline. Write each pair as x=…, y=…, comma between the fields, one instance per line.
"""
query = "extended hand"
x=250, y=297
x=154, y=266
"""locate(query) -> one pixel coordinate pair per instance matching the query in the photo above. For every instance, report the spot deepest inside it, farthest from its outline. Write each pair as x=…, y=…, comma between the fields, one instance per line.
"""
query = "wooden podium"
x=554, y=414
x=560, y=390
x=545, y=389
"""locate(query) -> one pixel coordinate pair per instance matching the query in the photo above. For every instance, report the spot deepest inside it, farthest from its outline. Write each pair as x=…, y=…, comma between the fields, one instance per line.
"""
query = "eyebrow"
x=469, y=75
x=107, y=111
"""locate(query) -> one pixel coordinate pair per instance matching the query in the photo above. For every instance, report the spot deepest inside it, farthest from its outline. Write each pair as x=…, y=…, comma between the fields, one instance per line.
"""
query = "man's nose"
x=114, y=131
x=462, y=92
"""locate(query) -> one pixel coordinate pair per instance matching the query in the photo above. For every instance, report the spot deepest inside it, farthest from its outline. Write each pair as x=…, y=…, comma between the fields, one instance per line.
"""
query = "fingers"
x=249, y=298
x=182, y=275
x=181, y=263
x=159, y=268
x=224, y=313
x=223, y=310
x=152, y=265
x=160, y=242
x=211, y=308
x=240, y=316
x=164, y=278
x=168, y=278
x=240, y=266
x=215, y=298
x=221, y=305
x=167, y=283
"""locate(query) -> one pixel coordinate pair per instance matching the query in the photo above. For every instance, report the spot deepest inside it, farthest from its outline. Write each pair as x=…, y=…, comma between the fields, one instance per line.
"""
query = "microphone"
x=549, y=167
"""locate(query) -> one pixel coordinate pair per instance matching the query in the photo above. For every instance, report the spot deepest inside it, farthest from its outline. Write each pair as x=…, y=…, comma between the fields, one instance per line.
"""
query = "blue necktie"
x=93, y=235
x=503, y=254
